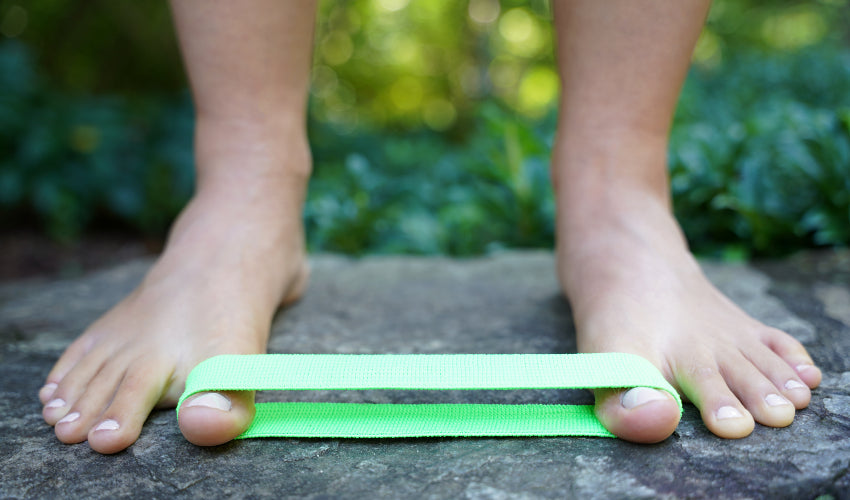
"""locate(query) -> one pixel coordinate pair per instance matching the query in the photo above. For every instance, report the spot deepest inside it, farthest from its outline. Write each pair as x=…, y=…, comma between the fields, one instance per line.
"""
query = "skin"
x=623, y=261
x=621, y=257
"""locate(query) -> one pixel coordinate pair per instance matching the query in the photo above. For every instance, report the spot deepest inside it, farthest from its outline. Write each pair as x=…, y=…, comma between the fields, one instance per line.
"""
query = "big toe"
x=213, y=418
x=640, y=415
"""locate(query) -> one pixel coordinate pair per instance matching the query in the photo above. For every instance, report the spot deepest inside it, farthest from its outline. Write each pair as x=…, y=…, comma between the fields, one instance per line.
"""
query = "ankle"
x=609, y=179
x=614, y=229
x=251, y=204
x=594, y=162
x=593, y=208
x=236, y=150
x=255, y=229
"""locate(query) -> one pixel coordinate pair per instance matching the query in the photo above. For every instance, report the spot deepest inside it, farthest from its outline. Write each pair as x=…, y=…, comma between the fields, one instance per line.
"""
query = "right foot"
x=235, y=254
x=634, y=287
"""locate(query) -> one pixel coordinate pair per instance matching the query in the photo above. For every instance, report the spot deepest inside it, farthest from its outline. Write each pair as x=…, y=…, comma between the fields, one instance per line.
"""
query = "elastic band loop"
x=423, y=372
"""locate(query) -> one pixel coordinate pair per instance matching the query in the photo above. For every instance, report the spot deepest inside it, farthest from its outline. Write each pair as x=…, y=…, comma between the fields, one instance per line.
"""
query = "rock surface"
x=506, y=303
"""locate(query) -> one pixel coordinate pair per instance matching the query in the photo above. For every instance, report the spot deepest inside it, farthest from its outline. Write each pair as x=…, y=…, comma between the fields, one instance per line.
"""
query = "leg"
x=622, y=259
x=234, y=254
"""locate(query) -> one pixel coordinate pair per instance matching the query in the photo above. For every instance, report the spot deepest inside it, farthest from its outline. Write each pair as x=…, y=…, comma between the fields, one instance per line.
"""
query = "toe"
x=797, y=392
x=71, y=428
x=71, y=386
x=120, y=424
x=640, y=415
x=69, y=359
x=795, y=356
x=809, y=373
x=765, y=402
x=213, y=418
x=721, y=411
x=84, y=414
x=785, y=380
x=45, y=393
x=55, y=409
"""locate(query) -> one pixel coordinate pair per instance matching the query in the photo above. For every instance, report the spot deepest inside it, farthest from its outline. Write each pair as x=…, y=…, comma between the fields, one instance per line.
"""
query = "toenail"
x=728, y=412
x=69, y=418
x=793, y=384
x=107, y=425
x=802, y=368
x=211, y=400
x=50, y=387
x=55, y=403
x=639, y=396
x=776, y=400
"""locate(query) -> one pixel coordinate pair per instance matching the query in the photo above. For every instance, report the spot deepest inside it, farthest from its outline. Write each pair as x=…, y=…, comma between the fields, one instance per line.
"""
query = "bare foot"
x=634, y=287
x=234, y=255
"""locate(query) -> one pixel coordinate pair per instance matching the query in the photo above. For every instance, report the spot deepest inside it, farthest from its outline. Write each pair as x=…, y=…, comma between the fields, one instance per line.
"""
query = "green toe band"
x=426, y=372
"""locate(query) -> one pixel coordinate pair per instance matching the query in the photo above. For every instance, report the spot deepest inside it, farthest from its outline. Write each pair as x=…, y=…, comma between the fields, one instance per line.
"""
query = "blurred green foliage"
x=74, y=161
x=760, y=153
x=431, y=124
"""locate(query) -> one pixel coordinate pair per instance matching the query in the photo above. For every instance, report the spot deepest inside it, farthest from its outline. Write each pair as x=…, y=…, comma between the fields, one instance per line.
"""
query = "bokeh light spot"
x=439, y=114
x=324, y=80
x=393, y=5
x=504, y=74
x=84, y=138
x=521, y=32
x=793, y=30
x=484, y=11
x=405, y=50
x=14, y=22
x=516, y=25
x=406, y=93
x=538, y=91
x=707, y=52
x=337, y=48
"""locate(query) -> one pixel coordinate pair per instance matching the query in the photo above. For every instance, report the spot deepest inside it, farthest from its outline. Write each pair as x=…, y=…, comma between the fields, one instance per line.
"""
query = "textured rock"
x=508, y=303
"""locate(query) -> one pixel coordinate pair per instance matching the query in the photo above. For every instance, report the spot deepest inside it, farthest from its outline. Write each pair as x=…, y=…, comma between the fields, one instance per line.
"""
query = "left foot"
x=235, y=254
x=634, y=287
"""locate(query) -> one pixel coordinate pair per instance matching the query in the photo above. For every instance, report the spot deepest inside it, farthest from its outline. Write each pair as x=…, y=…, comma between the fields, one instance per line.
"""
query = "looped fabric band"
x=263, y=372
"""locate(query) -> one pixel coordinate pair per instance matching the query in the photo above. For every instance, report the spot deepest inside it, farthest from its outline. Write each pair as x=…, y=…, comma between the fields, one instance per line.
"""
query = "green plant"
x=759, y=165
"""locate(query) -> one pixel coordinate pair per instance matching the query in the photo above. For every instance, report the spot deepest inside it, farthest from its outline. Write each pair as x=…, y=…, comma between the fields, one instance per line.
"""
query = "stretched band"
x=426, y=372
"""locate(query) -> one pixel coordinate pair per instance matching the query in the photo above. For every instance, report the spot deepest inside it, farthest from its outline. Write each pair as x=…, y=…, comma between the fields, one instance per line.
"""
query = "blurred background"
x=430, y=122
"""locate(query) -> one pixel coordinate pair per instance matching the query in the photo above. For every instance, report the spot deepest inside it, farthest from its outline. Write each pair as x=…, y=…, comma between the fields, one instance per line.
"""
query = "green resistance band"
x=426, y=372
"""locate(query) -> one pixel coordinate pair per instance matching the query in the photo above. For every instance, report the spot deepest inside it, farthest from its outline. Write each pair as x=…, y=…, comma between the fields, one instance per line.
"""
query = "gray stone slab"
x=505, y=303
